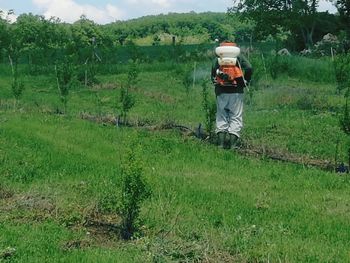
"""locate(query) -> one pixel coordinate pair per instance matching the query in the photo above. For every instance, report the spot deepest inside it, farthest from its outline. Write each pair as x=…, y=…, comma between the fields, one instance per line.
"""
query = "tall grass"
x=304, y=69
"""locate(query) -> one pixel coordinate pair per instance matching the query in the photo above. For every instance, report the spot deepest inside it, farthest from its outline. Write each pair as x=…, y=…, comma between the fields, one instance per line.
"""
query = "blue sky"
x=105, y=11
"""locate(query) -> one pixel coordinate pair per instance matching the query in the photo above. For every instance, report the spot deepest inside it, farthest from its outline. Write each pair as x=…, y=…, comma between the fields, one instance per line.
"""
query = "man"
x=231, y=73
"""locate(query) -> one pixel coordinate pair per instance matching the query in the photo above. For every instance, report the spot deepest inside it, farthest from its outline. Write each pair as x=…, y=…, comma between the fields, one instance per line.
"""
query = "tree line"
x=248, y=20
x=299, y=18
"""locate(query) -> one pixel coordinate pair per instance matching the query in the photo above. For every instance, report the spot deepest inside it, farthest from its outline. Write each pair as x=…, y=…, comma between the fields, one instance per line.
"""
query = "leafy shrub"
x=342, y=71
x=65, y=74
x=126, y=102
x=17, y=88
x=134, y=191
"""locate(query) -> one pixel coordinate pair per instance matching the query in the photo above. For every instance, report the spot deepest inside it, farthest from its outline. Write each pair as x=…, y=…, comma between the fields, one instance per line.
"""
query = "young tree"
x=134, y=191
x=127, y=100
x=209, y=108
x=65, y=78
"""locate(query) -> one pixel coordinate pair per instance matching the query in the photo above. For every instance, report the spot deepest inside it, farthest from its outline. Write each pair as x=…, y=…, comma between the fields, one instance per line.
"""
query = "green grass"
x=245, y=208
x=59, y=172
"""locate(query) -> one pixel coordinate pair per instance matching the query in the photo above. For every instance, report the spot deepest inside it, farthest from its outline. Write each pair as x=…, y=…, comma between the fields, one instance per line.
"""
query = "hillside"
x=189, y=28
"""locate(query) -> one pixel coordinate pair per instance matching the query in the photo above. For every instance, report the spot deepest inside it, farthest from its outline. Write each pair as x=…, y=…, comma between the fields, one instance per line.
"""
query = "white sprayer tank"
x=227, y=55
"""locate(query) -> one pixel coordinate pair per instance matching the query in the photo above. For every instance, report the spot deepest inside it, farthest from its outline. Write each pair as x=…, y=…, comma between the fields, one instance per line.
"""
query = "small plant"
x=342, y=71
x=184, y=76
x=133, y=74
x=209, y=109
x=65, y=77
x=127, y=101
x=17, y=86
x=134, y=191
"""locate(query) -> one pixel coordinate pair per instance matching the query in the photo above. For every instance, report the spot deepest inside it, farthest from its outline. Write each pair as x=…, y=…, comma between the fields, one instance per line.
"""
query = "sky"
x=106, y=11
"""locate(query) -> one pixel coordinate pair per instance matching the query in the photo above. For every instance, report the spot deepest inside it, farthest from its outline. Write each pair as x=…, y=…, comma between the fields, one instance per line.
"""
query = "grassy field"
x=61, y=175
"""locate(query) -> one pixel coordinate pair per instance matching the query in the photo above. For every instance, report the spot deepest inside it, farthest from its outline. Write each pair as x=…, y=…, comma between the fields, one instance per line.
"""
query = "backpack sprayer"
x=230, y=71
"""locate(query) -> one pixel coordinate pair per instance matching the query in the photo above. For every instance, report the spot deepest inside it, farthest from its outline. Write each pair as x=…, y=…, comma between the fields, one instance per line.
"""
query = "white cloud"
x=12, y=17
x=154, y=3
x=70, y=11
x=327, y=6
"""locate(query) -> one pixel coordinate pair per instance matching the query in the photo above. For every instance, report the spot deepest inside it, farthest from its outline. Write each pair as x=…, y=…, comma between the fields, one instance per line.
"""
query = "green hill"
x=189, y=28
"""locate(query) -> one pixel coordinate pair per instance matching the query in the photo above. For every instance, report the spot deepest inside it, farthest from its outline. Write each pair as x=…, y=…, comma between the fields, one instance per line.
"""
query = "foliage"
x=342, y=71
x=65, y=76
x=294, y=16
x=345, y=120
x=126, y=99
x=305, y=69
x=134, y=191
x=133, y=74
x=17, y=88
x=209, y=108
x=207, y=26
x=126, y=102
x=86, y=74
x=343, y=7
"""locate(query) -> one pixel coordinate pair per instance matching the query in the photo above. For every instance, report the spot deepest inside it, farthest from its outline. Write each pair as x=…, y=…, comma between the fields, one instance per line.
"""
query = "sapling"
x=17, y=86
x=134, y=191
x=209, y=108
x=127, y=100
x=64, y=77
x=183, y=74
x=133, y=74
x=343, y=80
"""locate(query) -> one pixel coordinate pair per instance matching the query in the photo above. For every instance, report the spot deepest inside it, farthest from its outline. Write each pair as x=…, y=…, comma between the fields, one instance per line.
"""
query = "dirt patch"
x=7, y=253
x=76, y=244
x=159, y=96
x=284, y=156
x=105, y=86
x=106, y=119
x=35, y=202
x=5, y=192
x=103, y=225
x=28, y=207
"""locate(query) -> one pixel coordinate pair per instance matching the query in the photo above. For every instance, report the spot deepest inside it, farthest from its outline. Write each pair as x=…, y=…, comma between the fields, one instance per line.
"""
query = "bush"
x=342, y=71
x=134, y=191
x=65, y=75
